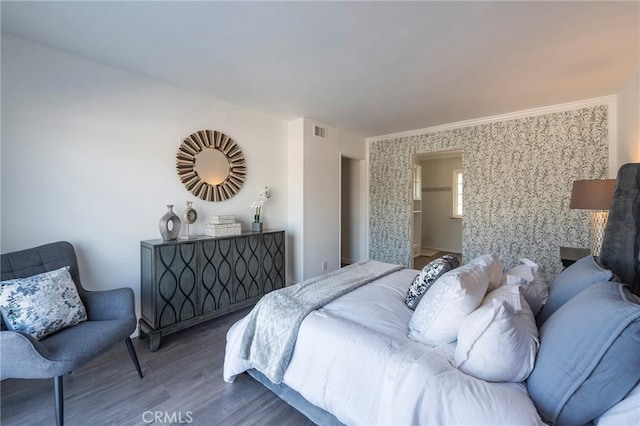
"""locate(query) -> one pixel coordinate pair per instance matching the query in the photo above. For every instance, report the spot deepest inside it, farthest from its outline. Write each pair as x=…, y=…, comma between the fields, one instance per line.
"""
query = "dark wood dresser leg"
x=154, y=341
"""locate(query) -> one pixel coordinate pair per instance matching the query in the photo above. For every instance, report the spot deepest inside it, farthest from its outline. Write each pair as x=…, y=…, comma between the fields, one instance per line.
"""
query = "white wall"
x=88, y=156
x=629, y=120
x=296, y=199
x=314, y=165
x=322, y=159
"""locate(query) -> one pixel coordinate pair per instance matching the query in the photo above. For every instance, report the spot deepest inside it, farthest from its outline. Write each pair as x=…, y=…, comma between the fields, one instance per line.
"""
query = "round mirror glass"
x=212, y=166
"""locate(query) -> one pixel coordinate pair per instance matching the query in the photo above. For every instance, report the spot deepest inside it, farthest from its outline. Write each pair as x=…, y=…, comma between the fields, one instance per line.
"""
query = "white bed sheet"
x=353, y=358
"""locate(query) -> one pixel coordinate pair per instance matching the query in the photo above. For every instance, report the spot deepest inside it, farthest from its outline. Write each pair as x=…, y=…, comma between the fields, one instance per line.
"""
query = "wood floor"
x=183, y=379
x=421, y=261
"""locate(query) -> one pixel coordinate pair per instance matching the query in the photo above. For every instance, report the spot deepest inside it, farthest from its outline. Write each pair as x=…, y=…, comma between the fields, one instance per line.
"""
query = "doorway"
x=438, y=213
x=352, y=218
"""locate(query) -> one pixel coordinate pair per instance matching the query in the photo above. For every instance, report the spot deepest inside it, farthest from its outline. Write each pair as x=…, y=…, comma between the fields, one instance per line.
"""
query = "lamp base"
x=598, y=225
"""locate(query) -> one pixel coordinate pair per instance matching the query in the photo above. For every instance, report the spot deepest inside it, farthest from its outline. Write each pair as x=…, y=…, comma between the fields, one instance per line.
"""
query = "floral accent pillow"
x=42, y=304
x=425, y=279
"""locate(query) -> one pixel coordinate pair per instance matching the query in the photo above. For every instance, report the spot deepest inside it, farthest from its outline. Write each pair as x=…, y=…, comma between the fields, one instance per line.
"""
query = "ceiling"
x=369, y=68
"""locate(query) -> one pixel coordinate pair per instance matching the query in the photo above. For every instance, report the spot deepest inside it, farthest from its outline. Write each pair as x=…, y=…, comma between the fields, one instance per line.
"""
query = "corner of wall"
x=295, y=208
x=628, y=121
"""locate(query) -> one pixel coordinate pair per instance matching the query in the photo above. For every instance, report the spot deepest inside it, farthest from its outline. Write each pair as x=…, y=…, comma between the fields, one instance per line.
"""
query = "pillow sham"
x=425, y=279
x=42, y=304
x=578, y=276
x=494, y=267
x=452, y=297
x=625, y=412
x=498, y=341
x=588, y=358
x=534, y=286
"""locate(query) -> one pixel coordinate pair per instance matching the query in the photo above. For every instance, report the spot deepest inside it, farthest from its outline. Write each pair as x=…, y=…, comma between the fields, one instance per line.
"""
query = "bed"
x=345, y=348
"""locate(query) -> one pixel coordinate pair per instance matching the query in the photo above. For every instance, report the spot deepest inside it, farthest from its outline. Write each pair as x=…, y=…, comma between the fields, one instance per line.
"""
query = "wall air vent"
x=319, y=132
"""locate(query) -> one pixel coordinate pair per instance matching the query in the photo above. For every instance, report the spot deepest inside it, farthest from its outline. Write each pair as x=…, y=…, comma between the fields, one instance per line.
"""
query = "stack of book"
x=220, y=226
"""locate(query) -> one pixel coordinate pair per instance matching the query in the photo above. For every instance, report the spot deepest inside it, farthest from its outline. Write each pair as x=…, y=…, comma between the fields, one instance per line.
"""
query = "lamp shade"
x=592, y=194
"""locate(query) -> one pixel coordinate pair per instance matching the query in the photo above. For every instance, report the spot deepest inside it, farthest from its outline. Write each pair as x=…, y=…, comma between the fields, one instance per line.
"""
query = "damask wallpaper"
x=518, y=176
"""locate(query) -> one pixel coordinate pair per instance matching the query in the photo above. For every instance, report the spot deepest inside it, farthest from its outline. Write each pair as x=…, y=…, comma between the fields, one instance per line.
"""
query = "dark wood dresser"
x=186, y=282
x=569, y=255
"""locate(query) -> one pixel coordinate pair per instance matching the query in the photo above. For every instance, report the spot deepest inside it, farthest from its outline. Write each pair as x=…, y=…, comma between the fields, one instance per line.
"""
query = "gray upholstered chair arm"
x=109, y=304
x=19, y=350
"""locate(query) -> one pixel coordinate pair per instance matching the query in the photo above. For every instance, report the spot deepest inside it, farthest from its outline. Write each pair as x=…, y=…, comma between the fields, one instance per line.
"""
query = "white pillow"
x=494, y=267
x=450, y=299
x=625, y=412
x=498, y=342
x=535, y=288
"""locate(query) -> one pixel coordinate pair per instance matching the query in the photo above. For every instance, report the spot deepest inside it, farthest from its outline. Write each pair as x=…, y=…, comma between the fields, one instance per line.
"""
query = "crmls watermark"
x=167, y=417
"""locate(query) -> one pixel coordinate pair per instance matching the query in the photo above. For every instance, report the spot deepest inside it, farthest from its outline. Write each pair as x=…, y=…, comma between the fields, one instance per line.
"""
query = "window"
x=417, y=182
x=457, y=193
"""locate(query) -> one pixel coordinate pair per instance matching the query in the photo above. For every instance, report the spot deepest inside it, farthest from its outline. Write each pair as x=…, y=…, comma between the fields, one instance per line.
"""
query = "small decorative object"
x=220, y=226
x=222, y=219
x=594, y=195
x=169, y=225
x=211, y=165
x=190, y=216
x=256, y=226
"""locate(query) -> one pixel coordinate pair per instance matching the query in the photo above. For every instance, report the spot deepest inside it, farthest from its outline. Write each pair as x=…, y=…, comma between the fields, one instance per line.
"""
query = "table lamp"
x=594, y=195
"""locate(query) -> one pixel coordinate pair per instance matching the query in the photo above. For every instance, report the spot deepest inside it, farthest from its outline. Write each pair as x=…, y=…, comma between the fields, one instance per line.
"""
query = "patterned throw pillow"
x=425, y=279
x=42, y=304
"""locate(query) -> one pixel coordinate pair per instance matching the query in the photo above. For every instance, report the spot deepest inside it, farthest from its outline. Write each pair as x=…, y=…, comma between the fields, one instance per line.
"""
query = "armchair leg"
x=59, y=400
x=134, y=356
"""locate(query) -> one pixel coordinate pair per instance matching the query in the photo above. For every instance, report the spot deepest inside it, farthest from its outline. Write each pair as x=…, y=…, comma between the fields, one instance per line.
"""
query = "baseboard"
x=427, y=252
x=448, y=250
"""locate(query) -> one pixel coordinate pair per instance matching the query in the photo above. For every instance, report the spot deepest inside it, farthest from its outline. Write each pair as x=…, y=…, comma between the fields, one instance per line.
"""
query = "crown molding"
x=587, y=103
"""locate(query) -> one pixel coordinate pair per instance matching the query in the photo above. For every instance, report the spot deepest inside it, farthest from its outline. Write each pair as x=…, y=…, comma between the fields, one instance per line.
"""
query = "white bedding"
x=353, y=358
x=272, y=326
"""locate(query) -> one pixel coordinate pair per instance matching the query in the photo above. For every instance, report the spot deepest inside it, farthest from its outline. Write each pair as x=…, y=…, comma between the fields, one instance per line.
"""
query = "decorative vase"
x=169, y=225
x=256, y=226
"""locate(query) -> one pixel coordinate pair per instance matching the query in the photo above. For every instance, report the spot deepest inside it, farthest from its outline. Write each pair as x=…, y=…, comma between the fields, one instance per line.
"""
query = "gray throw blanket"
x=272, y=326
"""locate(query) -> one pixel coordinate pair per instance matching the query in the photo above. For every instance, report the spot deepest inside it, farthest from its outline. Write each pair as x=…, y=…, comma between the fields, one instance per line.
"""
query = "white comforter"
x=272, y=326
x=353, y=358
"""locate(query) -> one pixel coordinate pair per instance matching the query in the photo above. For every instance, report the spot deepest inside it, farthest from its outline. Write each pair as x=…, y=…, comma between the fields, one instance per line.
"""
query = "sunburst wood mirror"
x=211, y=165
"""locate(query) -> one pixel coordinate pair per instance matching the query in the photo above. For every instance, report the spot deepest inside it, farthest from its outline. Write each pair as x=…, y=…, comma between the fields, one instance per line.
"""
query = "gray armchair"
x=110, y=319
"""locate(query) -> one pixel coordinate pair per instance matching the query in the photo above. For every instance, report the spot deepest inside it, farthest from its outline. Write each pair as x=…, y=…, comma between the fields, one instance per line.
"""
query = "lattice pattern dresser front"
x=186, y=282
